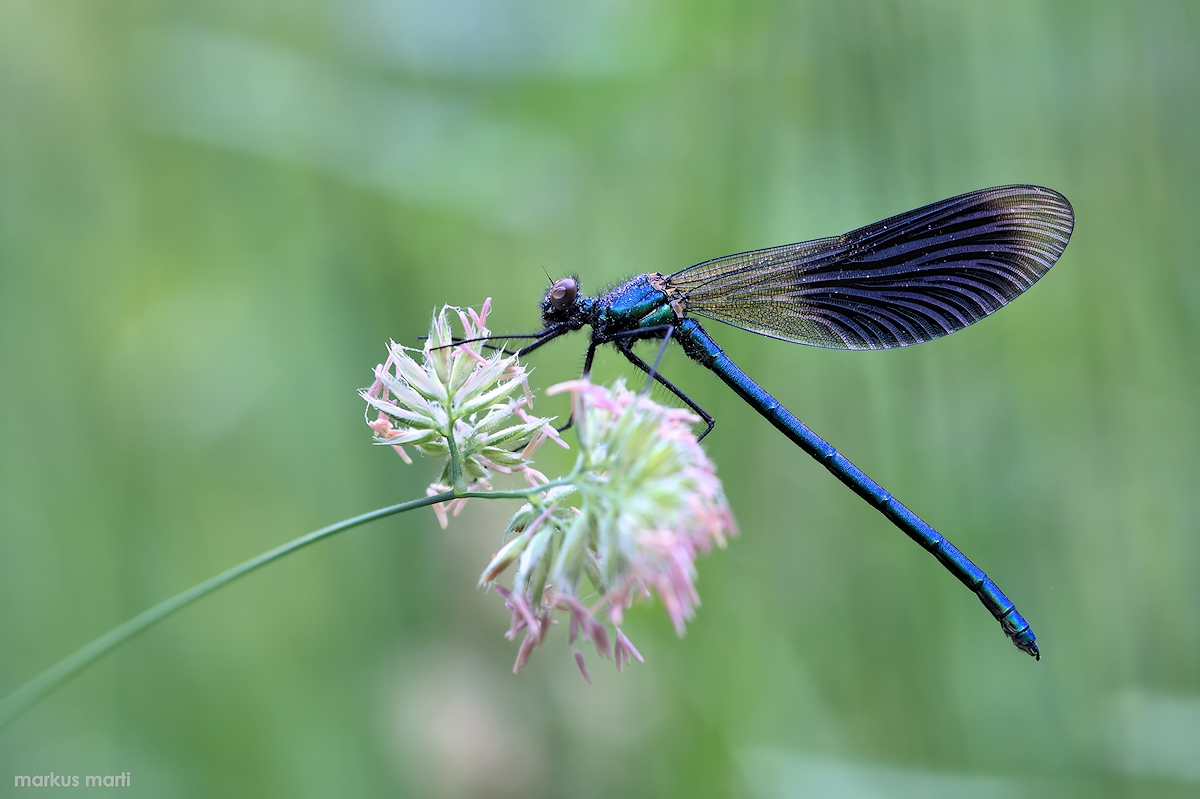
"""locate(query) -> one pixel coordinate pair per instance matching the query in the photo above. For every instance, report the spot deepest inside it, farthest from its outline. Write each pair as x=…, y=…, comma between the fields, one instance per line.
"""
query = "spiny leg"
x=587, y=359
x=625, y=349
x=658, y=358
x=587, y=370
x=545, y=337
x=641, y=332
x=454, y=342
x=488, y=338
x=541, y=337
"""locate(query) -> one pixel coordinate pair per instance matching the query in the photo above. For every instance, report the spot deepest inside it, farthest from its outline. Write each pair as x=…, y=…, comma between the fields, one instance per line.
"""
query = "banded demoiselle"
x=908, y=279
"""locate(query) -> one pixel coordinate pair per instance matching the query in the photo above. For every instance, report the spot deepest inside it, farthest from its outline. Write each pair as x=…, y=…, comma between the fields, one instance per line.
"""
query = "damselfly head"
x=560, y=300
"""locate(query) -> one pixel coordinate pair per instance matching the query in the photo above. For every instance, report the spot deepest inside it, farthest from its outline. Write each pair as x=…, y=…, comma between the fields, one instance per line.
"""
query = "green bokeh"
x=212, y=217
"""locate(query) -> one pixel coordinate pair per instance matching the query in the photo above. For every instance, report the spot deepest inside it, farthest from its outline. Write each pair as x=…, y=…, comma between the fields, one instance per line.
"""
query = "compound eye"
x=562, y=294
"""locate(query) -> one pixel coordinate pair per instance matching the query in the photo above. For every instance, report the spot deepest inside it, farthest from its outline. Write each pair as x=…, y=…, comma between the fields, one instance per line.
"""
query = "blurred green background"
x=213, y=216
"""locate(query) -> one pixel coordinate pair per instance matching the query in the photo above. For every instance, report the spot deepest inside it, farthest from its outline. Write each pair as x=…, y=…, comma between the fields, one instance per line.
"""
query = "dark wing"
x=907, y=279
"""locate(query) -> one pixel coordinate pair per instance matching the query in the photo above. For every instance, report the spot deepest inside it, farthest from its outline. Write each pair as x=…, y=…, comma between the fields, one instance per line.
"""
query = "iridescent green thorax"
x=644, y=301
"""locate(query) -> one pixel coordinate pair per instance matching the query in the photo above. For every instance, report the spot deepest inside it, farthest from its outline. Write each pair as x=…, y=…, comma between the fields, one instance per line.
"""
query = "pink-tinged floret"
x=447, y=390
x=645, y=503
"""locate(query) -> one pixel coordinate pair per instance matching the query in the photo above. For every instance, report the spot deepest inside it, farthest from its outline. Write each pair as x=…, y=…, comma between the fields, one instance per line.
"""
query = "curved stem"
x=520, y=493
x=458, y=485
x=21, y=699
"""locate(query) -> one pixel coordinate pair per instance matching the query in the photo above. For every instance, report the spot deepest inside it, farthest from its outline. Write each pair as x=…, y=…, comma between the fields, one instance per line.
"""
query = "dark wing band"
x=911, y=278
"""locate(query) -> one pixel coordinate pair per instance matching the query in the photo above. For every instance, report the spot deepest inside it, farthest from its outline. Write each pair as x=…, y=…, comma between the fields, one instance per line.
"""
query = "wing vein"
x=907, y=279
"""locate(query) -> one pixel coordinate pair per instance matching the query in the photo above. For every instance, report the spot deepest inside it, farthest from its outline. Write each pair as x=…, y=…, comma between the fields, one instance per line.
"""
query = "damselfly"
x=908, y=279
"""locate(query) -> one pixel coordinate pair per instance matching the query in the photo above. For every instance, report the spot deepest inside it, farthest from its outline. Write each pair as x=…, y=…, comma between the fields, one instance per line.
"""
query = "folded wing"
x=911, y=278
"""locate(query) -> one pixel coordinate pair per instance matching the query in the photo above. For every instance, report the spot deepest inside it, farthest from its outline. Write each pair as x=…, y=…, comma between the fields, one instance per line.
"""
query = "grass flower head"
x=458, y=404
x=644, y=503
